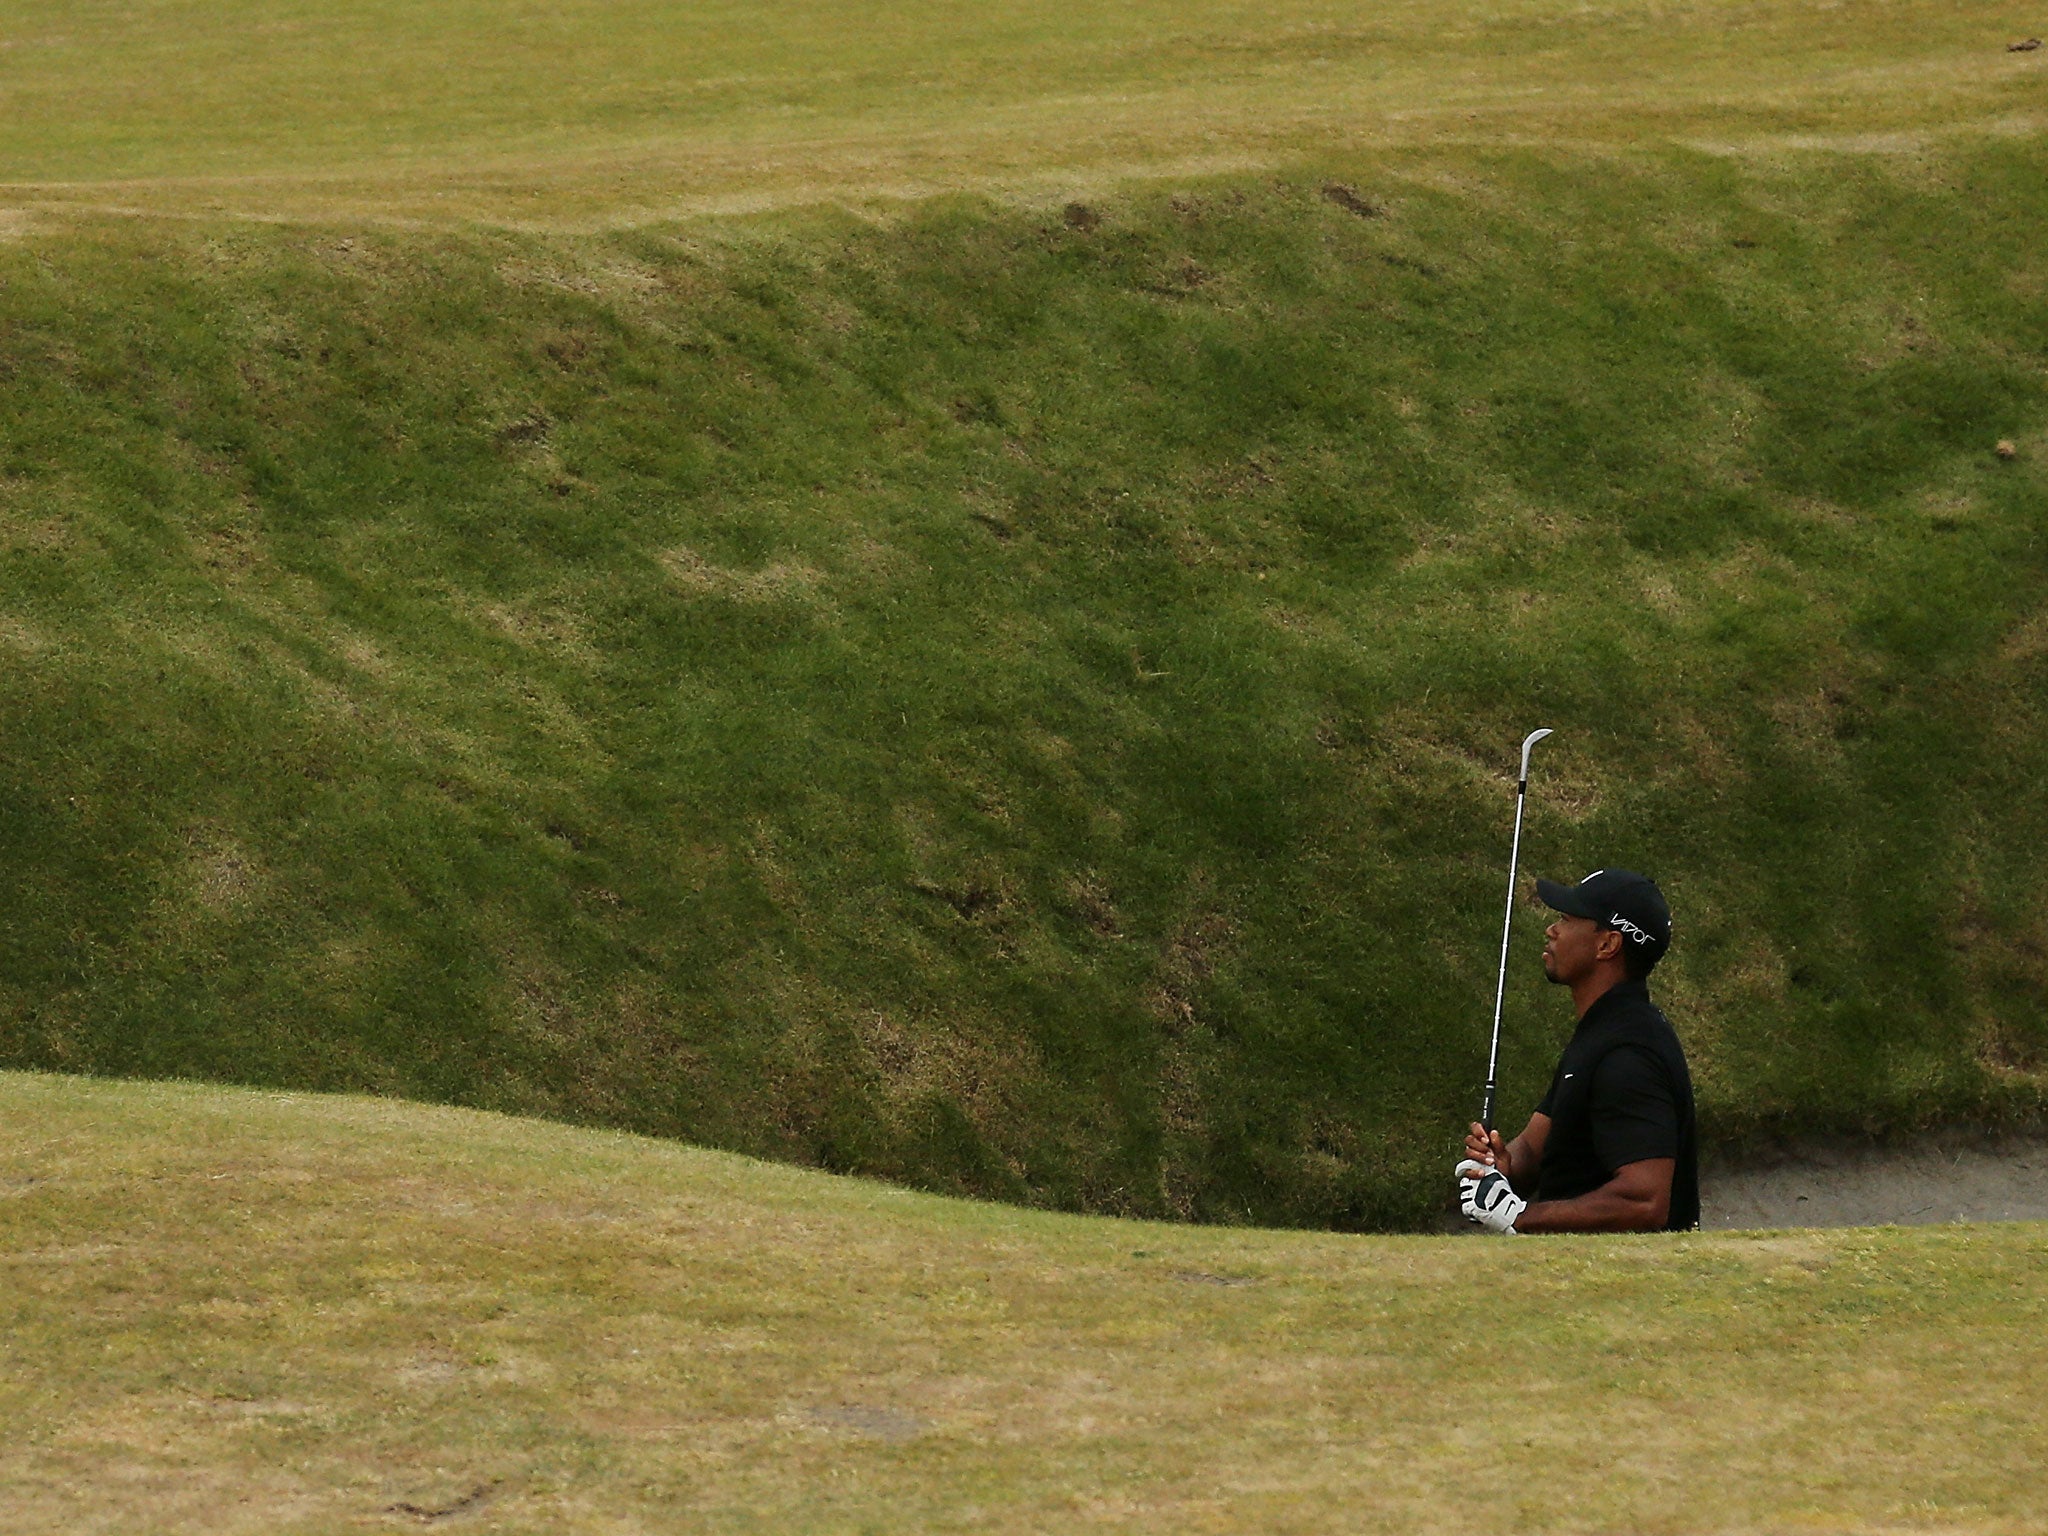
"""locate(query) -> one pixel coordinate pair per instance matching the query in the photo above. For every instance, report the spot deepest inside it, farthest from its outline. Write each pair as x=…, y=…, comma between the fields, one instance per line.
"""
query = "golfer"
x=1611, y=1148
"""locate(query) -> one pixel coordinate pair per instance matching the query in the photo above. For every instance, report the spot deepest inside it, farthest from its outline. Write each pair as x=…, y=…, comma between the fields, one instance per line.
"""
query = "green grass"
x=589, y=113
x=236, y=1312
x=1013, y=697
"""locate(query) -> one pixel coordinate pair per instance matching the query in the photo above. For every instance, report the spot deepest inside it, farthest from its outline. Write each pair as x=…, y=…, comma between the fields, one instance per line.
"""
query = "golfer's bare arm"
x=1518, y=1159
x=1636, y=1199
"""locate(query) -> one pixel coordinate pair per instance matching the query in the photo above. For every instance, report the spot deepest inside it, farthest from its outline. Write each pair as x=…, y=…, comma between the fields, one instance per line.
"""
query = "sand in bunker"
x=1955, y=1177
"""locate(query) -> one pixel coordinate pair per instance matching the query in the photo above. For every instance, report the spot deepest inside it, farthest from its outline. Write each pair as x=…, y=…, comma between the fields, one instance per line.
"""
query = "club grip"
x=1486, y=1111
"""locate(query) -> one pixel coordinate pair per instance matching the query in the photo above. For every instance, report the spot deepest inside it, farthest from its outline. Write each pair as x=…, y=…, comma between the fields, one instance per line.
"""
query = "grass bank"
x=229, y=1312
x=1018, y=699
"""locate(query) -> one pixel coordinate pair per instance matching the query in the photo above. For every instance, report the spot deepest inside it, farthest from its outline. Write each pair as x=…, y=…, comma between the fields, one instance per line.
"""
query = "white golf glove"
x=1486, y=1198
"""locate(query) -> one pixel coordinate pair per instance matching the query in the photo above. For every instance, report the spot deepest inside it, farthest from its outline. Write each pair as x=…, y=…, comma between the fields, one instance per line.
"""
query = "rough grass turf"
x=227, y=1312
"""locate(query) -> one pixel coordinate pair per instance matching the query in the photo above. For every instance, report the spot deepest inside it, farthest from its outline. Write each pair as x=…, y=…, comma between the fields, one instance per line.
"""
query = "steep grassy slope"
x=1020, y=700
x=239, y=1313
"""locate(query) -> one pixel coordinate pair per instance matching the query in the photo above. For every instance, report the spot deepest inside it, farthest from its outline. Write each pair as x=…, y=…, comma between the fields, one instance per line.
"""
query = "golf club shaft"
x=1500, y=989
x=1507, y=928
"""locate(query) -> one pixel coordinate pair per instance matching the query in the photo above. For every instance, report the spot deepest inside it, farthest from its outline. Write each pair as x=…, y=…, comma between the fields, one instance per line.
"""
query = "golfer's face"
x=1569, y=948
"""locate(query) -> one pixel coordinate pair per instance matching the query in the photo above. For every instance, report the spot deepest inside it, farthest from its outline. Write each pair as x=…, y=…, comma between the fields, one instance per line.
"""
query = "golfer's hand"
x=1487, y=1201
x=1488, y=1147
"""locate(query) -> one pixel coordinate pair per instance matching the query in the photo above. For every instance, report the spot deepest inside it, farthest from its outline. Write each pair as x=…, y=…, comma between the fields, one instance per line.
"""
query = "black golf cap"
x=1620, y=899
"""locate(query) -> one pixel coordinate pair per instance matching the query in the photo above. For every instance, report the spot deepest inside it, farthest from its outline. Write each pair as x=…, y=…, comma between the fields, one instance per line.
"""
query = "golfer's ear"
x=1608, y=945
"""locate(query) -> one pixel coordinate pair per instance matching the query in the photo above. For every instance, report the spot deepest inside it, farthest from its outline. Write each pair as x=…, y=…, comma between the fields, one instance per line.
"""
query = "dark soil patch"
x=434, y=1514
x=1349, y=200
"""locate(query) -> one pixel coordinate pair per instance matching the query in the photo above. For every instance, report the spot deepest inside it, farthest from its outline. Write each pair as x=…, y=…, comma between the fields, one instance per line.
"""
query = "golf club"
x=1507, y=928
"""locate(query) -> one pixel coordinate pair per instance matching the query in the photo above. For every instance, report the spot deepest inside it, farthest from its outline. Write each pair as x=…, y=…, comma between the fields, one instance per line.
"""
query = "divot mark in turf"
x=433, y=1515
x=536, y=426
x=1348, y=199
x=1203, y=1277
x=968, y=901
x=868, y=1422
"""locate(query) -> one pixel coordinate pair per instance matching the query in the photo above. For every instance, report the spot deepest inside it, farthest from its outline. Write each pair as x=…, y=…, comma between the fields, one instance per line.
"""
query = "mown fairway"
x=225, y=1312
x=1012, y=689
x=602, y=111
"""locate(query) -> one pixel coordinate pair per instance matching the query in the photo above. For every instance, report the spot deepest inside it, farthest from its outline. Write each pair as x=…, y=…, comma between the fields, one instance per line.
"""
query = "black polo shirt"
x=1621, y=1094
